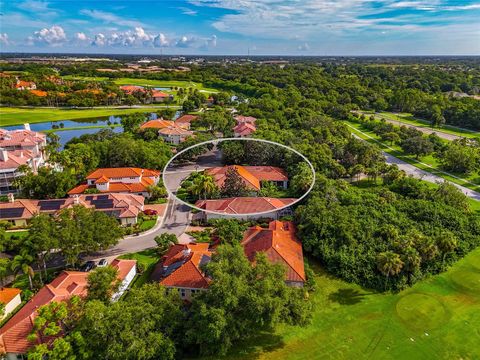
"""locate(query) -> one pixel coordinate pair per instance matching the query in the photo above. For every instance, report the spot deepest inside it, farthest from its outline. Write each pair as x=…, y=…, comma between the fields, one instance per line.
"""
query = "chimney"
x=26, y=126
x=11, y=198
x=3, y=154
x=21, y=154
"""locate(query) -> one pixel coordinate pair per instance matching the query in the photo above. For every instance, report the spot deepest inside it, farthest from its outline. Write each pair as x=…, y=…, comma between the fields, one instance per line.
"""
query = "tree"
x=446, y=243
x=391, y=137
x=145, y=325
x=241, y=300
x=132, y=122
x=85, y=230
x=233, y=186
x=269, y=189
x=203, y=186
x=164, y=241
x=103, y=283
x=411, y=261
x=460, y=158
x=418, y=146
x=302, y=179
x=229, y=231
x=5, y=266
x=23, y=262
x=451, y=195
x=389, y=263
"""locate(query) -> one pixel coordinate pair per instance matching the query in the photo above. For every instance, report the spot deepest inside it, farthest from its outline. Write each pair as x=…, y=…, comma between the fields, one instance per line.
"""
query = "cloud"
x=99, y=40
x=80, y=36
x=187, y=11
x=303, y=47
x=110, y=18
x=185, y=42
x=160, y=41
x=211, y=42
x=54, y=36
x=4, y=39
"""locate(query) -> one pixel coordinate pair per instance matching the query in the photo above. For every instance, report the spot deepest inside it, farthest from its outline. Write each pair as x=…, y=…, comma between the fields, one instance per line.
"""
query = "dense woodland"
x=365, y=221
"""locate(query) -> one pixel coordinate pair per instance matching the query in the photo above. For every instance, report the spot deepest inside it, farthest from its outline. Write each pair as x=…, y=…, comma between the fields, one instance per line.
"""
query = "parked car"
x=102, y=263
x=150, y=212
x=88, y=266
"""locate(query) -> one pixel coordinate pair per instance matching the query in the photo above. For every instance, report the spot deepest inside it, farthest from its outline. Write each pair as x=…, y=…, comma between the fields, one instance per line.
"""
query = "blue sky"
x=261, y=27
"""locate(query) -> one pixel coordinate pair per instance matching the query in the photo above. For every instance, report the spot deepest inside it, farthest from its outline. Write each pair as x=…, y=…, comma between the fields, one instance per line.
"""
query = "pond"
x=66, y=135
x=162, y=88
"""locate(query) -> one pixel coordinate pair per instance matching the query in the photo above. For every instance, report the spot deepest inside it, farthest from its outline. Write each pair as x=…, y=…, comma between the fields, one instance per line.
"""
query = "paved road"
x=424, y=175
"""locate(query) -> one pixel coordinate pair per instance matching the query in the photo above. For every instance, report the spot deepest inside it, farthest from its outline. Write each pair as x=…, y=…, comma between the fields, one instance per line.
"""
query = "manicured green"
x=438, y=318
x=427, y=163
x=148, y=259
x=19, y=234
x=407, y=118
x=147, y=224
x=16, y=116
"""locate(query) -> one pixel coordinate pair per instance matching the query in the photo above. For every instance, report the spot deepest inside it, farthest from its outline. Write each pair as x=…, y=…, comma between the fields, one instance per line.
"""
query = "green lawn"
x=426, y=163
x=19, y=234
x=438, y=318
x=148, y=224
x=147, y=82
x=16, y=116
x=407, y=118
x=148, y=258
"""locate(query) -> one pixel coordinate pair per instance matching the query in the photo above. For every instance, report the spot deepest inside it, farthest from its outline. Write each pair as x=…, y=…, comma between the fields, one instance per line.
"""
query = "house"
x=181, y=268
x=127, y=269
x=130, y=89
x=25, y=85
x=160, y=96
x=19, y=147
x=245, y=126
x=174, y=134
x=39, y=93
x=128, y=180
x=14, y=334
x=124, y=207
x=10, y=298
x=185, y=121
x=244, y=208
x=244, y=130
x=280, y=245
x=252, y=176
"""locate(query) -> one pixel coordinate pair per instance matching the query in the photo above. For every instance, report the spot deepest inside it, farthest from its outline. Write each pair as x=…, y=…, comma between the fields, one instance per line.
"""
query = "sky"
x=241, y=27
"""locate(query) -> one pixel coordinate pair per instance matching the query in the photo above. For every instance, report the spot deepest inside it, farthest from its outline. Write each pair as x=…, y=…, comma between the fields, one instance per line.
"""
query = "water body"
x=66, y=135
x=162, y=88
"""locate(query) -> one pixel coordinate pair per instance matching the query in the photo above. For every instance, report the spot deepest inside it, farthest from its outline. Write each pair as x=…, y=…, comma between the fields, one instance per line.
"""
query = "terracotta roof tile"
x=7, y=294
x=244, y=205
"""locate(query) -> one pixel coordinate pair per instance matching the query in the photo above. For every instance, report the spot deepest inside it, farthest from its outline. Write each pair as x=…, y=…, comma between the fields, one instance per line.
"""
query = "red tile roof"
x=279, y=244
x=13, y=335
x=157, y=124
x=122, y=173
x=244, y=205
x=8, y=294
x=24, y=84
x=180, y=266
x=21, y=138
x=251, y=175
x=244, y=129
x=158, y=93
x=187, y=118
x=39, y=93
x=130, y=89
x=245, y=119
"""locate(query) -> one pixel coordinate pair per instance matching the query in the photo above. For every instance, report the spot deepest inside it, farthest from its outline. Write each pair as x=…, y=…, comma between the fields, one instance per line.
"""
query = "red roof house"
x=280, y=245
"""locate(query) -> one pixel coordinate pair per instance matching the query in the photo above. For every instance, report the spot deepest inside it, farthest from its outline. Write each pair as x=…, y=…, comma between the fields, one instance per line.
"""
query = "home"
x=280, y=245
x=19, y=147
x=25, y=85
x=244, y=208
x=174, y=134
x=128, y=180
x=181, y=268
x=10, y=298
x=160, y=96
x=245, y=126
x=14, y=334
x=252, y=176
x=39, y=93
x=185, y=121
x=131, y=89
x=124, y=207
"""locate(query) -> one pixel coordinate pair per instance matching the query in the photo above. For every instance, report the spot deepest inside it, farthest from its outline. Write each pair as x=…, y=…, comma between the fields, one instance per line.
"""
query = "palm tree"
x=411, y=261
x=427, y=248
x=389, y=263
x=447, y=243
x=203, y=186
x=23, y=262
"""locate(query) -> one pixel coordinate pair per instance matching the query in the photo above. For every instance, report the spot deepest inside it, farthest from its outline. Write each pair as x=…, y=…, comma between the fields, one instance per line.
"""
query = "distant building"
x=244, y=208
x=181, y=269
x=19, y=147
x=160, y=96
x=14, y=334
x=280, y=245
x=119, y=180
x=252, y=176
x=10, y=298
x=124, y=207
x=245, y=126
x=39, y=93
x=25, y=85
x=168, y=130
x=185, y=121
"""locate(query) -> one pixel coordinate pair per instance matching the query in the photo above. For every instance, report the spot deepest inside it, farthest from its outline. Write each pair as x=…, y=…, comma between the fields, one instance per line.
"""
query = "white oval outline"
x=215, y=142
